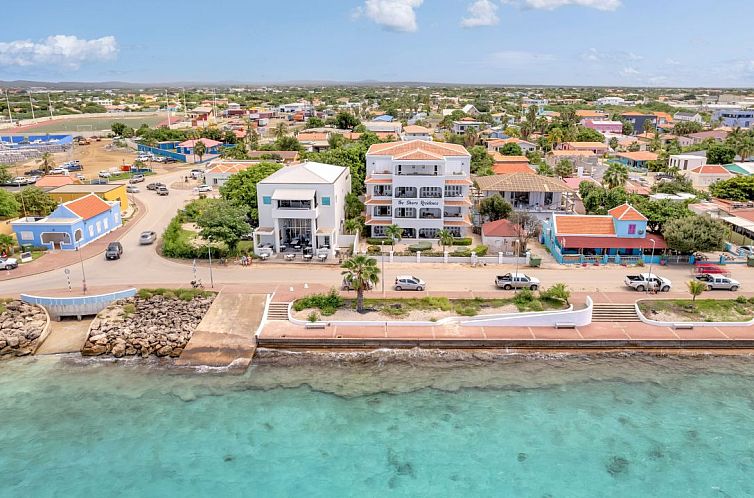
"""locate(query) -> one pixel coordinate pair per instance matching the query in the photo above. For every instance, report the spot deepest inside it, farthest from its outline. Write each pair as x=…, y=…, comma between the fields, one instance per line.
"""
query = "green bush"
x=462, y=241
x=144, y=293
x=481, y=250
x=441, y=303
x=326, y=303
x=742, y=300
x=313, y=316
x=129, y=309
x=467, y=310
x=523, y=297
x=378, y=241
x=462, y=253
x=374, y=250
x=420, y=246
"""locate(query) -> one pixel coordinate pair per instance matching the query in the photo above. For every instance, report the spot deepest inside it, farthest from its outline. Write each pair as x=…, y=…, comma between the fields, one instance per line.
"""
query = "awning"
x=325, y=231
x=264, y=231
x=582, y=242
x=293, y=194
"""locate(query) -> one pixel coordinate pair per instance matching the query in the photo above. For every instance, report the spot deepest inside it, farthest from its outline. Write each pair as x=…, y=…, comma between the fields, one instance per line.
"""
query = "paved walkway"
x=67, y=336
x=225, y=335
x=53, y=260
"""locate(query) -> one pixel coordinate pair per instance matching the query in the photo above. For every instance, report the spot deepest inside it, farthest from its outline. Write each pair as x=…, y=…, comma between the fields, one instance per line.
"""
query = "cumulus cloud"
x=481, y=13
x=59, y=50
x=554, y=4
x=393, y=15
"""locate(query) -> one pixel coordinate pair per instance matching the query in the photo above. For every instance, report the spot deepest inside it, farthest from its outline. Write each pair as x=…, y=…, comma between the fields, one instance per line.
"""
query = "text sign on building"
x=417, y=203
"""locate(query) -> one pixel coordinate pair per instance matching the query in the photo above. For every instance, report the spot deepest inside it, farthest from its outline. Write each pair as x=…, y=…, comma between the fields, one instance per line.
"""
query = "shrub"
x=420, y=246
x=467, y=310
x=328, y=310
x=313, y=316
x=462, y=241
x=144, y=293
x=129, y=309
x=186, y=295
x=640, y=262
x=441, y=303
x=326, y=303
x=742, y=300
x=394, y=311
x=374, y=250
x=557, y=292
x=523, y=297
x=481, y=250
x=462, y=253
x=378, y=241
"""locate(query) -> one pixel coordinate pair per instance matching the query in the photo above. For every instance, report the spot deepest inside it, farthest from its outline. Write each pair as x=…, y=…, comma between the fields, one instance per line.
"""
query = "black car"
x=34, y=172
x=114, y=250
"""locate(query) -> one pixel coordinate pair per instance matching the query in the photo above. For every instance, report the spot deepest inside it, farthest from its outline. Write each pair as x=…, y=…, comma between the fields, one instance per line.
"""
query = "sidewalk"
x=60, y=259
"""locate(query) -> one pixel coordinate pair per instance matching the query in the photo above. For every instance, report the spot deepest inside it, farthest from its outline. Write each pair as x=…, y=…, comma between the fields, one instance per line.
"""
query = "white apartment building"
x=421, y=186
x=464, y=124
x=414, y=132
x=302, y=206
x=685, y=162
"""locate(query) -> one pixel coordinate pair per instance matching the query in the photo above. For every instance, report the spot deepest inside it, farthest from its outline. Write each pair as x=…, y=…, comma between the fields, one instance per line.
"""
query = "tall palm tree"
x=695, y=287
x=47, y=161
x=555, y=137
x=281, y=130
x=616, y=175
x=445, y=238
x=360, y=273
x=200, y=149
x=395, y=233
x=354, y=225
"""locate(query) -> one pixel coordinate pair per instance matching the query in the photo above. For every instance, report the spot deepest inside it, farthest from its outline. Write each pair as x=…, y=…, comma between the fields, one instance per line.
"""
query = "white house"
x=219, y=170
x=394, y=127
x=704, y=176
x=471, y=110
x=302, y=206
x=464, y=124
x=693, y=117
x=610, y=101
x=498, y=143
x=500, y=236
x=685, y=162
x=414, y=132
x=421, y=186
x=540, y=195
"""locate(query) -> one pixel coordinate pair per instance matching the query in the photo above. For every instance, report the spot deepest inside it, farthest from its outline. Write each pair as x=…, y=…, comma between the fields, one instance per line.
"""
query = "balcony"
x=430, y=214
x=405, y=194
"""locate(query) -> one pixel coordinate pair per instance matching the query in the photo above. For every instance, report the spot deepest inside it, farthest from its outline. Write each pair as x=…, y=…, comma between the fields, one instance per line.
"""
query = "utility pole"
x=31, y=102
x=209, y=251
x=49, y=104
x=7, y=101
x=167, y=106
x=83, y=274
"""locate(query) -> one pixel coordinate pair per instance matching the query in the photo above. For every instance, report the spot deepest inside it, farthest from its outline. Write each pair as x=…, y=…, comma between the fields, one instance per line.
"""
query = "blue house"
x=73, y=224
x=619, y=236
x=211, y=146
x=735, y=118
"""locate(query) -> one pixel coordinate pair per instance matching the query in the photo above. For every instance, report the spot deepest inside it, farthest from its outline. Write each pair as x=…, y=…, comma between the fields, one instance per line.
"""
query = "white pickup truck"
x=644, y=281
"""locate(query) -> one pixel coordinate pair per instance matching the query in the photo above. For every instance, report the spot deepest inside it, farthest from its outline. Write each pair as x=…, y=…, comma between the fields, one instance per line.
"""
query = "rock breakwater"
x=21, y=326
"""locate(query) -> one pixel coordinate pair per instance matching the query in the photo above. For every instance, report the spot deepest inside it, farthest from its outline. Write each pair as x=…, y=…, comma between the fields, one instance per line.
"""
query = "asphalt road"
x=142, y=266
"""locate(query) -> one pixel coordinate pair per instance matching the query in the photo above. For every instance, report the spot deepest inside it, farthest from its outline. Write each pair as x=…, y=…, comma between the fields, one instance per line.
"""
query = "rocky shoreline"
x=21, y=326
x=158, y=325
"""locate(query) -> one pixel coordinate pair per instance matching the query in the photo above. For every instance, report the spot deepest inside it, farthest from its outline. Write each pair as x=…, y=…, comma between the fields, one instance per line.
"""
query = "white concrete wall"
x=694, y=324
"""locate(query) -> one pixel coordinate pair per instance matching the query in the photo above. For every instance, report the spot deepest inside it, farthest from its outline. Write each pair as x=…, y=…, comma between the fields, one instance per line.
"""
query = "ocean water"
x=370, y=426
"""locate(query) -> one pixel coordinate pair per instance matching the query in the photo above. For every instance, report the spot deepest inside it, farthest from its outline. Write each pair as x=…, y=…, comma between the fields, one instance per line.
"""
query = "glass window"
x=632, y=229
x=266, y=200
x=325, y=201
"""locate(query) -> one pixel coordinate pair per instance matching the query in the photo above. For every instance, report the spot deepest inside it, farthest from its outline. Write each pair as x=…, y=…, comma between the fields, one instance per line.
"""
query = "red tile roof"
x=584, y=225
x=399, y=148
x=508, y=168
x=499, y=228
x=54, y=181
x=626, y=212
x=88, y=206
x=711, y=169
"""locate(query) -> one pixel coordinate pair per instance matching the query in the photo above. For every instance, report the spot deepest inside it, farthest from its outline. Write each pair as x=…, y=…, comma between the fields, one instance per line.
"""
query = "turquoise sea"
x=513, y=426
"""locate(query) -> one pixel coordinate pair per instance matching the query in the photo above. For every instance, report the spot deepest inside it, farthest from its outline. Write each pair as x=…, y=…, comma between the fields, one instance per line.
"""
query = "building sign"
x=417, y=203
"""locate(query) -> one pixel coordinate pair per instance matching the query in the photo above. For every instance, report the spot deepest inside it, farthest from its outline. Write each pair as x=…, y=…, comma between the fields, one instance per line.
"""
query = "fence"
x=498, y=259
x=162, y=152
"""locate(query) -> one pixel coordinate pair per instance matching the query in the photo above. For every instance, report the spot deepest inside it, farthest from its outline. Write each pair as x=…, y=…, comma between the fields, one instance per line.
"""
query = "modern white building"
x=421, y=186
x=685, y=162
x=693, y=117
x=302, y=206
x=464, y=124
x=219, y=170
x=610, y=101
x=393, y=127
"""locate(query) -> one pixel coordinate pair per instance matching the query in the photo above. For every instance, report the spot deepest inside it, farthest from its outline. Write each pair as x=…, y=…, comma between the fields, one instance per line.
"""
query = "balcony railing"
x=405, y=195
x=431, y=196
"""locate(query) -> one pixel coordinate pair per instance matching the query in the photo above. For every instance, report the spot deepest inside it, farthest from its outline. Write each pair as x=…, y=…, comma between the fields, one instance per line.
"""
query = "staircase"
x=612, y=312
x=278, y=311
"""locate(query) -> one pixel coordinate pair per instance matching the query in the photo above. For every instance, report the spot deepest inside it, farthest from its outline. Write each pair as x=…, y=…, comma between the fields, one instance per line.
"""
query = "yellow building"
x=109, y=192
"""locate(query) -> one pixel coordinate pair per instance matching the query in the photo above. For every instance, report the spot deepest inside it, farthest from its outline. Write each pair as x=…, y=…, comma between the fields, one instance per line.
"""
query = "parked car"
x=136, y=179
x=516, y=281
x=8, y=264
x=58, y=171
x=105, y=174
x=644, y=281
x=160, y=159
x=348, y=287
x=155, y=186
x=132, y=189
x=746, y=250
x=20, y=180
x=718, y=282
x=34, y=172
x=163, y=190
x=114, y=250
x=203, y=188
x=147, y=238
x=408, y=282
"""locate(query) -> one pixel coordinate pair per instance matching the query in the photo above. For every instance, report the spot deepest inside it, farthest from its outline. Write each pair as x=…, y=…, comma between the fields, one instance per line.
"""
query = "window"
x=382, y=210
x=99, y=227
x=632, y=229
x=430, y=192
x=405, y=212
x=266, y=199
x=91, y=230
x=26, y=235
x=453, y=191
x=78, y=235
x=106, y=224
x=325, y=201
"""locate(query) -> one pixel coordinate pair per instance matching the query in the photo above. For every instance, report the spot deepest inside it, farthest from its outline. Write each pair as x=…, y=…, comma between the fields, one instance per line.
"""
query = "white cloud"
x=481, y=13
x=594, y=55
x=517, y=57
x=672, y=62
x=60, y=50
x=554, y=4
x=394, y=15
x=629, y=71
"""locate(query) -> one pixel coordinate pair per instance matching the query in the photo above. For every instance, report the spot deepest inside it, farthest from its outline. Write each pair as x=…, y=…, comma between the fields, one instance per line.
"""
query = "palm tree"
x=360, y=273
x=555, y=137
x=470, y=137
x=47, y=161
x=281, y=130
x=199, y=149
x=395, y=233
x=445, y=238
x=7, y=243
x=354, y=225
x=696, y=287
x=616, y=175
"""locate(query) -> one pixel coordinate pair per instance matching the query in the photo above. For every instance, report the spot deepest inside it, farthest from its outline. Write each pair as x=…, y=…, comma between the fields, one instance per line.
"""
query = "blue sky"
x=567, y=42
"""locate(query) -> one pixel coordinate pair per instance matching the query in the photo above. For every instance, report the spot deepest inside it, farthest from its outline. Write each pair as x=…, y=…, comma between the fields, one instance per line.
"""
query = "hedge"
x=378, y=241
x=462, y=241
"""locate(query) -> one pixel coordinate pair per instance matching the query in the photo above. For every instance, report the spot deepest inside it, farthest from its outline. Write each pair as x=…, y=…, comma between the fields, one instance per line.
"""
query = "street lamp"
x=516, y=254
x=209, y=251
x=81, y=261
x=650, y=262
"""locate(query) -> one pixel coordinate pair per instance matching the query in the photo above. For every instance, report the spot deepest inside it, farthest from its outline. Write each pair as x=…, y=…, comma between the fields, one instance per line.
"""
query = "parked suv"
x=114, y=250
x=408, y=282
x=163, y=190
x=136, y=179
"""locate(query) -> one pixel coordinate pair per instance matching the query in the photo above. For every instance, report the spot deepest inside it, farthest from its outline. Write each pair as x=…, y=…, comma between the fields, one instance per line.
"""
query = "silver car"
x=718, y=282
x=147, y=238
x=408, y=282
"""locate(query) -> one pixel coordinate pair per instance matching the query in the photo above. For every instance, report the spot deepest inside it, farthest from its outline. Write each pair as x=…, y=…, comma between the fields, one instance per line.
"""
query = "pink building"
x=603, y=126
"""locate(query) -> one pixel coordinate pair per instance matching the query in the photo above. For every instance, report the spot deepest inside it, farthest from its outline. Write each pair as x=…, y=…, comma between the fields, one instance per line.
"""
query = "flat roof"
x=283, y=194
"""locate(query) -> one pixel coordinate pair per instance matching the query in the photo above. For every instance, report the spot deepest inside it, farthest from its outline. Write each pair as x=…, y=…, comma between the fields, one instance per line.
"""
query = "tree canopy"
x=738, y=188
x=224, y=222
x=9, y=206
x=35, y=201
x=511, y=149
x=481, y=161
x=495, y=208
x=720, y=154
x=346, y=121
x=241, y=188
x=695, y=233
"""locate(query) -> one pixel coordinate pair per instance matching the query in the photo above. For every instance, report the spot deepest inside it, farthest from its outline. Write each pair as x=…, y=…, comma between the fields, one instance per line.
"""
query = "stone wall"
x=158, y=325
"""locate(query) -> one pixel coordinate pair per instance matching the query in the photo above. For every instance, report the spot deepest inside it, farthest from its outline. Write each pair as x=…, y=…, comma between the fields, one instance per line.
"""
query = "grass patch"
x=129, y=309
x=183, y=294
x=703, y=310
x=127, y=176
